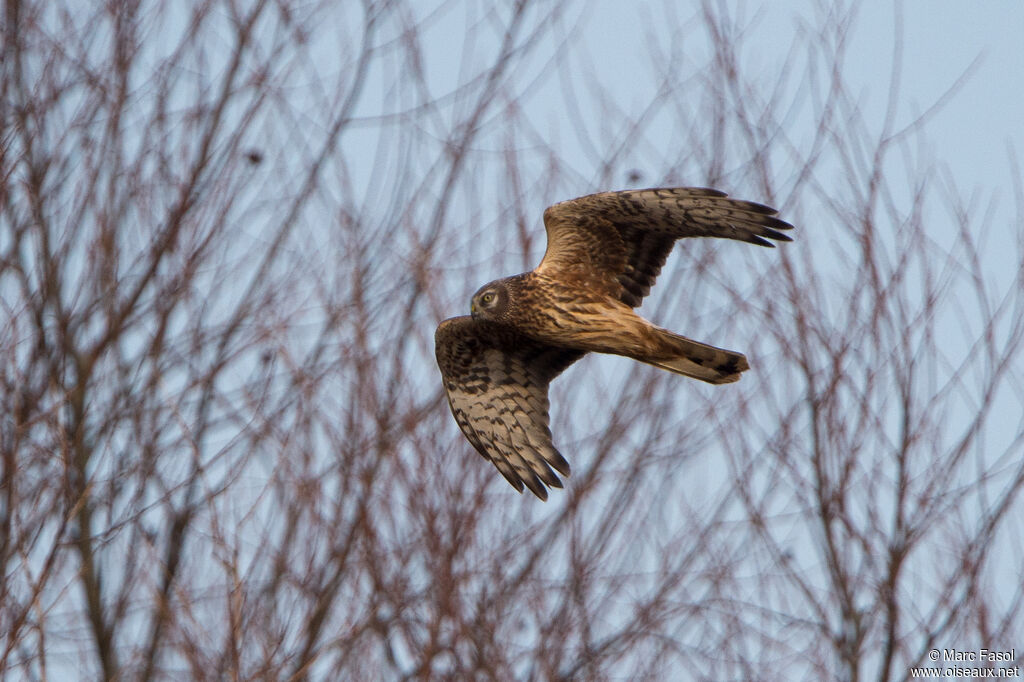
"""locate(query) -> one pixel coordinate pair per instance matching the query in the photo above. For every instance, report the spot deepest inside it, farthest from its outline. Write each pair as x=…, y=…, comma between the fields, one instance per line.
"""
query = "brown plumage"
x=604, y=253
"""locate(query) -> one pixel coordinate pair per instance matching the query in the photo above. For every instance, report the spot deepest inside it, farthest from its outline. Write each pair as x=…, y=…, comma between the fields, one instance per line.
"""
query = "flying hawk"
x=604, y=252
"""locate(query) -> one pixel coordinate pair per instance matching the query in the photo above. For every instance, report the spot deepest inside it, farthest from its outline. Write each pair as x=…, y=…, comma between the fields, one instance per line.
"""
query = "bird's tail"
x=698, y=360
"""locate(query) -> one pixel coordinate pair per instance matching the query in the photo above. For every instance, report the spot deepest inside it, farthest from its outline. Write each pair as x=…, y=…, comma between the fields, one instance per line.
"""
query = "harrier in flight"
x=604, y=252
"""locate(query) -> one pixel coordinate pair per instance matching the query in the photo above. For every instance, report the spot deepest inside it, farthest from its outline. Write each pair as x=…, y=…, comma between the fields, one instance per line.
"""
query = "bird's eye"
x=488, y=297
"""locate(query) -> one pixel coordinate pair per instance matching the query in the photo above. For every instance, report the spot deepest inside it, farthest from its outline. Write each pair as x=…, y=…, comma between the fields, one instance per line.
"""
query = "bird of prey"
x=604, y=252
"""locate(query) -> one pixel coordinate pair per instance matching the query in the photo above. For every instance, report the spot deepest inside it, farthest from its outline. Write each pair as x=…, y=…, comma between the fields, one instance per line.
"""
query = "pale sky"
x=942, y=40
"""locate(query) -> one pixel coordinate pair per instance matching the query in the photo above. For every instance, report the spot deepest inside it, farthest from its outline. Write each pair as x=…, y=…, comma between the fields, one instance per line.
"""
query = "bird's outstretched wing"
x=617, y=242
x=497, y=385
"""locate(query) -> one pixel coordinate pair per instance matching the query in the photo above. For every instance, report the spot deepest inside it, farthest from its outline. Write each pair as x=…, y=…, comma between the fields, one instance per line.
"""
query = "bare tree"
x=228, y=233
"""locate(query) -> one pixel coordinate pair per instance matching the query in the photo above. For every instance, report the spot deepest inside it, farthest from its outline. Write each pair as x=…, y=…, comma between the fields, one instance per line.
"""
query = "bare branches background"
x=227, y=235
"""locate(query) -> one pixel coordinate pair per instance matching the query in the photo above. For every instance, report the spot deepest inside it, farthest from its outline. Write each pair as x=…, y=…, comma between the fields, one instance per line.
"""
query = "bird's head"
x=490, y=302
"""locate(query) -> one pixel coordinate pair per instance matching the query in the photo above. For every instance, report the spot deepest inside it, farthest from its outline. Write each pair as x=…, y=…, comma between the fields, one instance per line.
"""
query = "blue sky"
x=941, y=42
x=611, y=52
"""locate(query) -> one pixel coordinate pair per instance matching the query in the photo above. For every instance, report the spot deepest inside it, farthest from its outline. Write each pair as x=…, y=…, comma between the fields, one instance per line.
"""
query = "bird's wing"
x=617, y=242
x=497, y=385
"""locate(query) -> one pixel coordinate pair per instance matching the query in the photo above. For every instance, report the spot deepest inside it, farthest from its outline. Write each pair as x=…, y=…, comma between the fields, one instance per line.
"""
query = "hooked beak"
x=472, y=309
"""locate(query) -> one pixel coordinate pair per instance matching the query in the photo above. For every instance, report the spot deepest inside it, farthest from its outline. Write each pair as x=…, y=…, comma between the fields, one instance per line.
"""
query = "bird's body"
x=604, y=253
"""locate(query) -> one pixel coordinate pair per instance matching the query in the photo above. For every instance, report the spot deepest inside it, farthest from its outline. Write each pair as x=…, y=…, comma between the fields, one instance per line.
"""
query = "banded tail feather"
x=698, y=360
